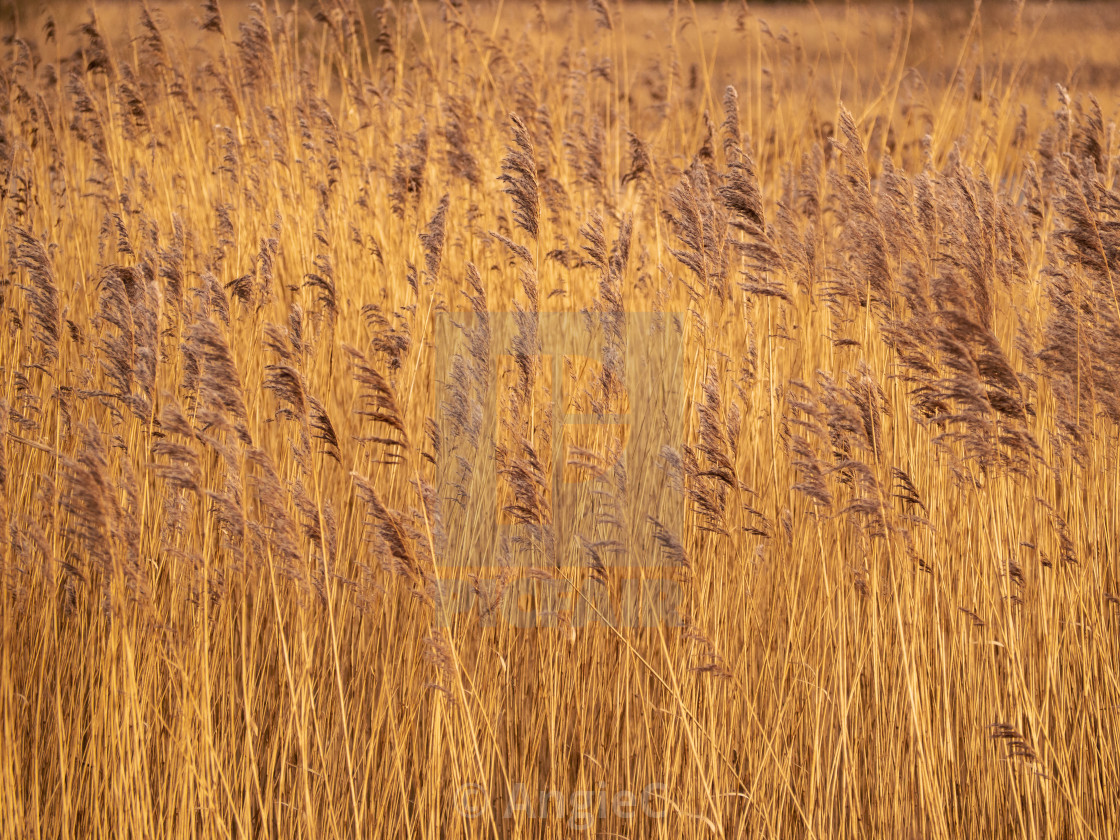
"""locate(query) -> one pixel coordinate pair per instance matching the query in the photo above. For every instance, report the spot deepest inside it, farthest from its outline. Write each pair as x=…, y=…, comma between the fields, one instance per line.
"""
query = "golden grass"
x=368, y=377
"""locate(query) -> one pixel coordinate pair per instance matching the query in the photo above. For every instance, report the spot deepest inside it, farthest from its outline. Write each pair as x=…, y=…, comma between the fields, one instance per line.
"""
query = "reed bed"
x=468, y=421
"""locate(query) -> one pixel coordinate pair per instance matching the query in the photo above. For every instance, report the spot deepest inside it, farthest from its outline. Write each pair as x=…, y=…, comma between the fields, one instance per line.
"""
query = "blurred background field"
x=796, y=59
x=1074, y=45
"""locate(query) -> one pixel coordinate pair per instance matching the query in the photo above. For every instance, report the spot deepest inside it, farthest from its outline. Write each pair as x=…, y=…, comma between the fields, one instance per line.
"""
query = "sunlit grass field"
x=508, y=420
